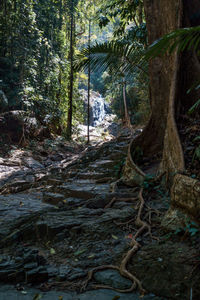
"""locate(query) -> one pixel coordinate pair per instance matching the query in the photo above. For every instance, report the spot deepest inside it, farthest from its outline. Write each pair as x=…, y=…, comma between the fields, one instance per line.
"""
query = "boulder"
x=16, y=125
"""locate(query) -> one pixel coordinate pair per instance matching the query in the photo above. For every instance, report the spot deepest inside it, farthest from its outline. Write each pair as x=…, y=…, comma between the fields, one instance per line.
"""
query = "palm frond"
x=116, y=56
x=180, y=39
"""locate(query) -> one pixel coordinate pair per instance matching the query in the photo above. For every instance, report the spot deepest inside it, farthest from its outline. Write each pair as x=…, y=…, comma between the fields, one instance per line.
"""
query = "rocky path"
x=56, y=225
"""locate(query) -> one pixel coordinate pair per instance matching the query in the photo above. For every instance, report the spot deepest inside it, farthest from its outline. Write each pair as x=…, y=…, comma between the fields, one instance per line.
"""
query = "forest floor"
x=61, y=216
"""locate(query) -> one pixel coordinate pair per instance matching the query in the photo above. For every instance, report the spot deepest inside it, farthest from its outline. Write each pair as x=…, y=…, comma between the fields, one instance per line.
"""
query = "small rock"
x=32, y=163
x=52, y=271
x=30, y=266
x=64, y=272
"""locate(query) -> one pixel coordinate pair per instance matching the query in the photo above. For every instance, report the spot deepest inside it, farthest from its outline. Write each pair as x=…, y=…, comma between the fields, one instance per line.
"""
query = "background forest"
x=40, y=44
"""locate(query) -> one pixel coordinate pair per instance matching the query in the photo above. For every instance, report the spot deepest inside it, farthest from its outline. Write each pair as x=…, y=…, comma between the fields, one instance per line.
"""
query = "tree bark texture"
x=161, y=18
x=170, y=78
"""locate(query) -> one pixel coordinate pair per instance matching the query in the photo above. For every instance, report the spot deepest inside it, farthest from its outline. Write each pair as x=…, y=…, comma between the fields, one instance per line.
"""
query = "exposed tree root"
x=150, y=212
x=23, y=138
x=114, y=185
x=139, y=222
x=134, y=248
x=110, y=204
x=124, y=223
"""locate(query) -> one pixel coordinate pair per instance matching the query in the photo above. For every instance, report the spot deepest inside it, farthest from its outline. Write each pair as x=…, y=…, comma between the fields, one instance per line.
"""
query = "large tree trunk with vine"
x=170, y=78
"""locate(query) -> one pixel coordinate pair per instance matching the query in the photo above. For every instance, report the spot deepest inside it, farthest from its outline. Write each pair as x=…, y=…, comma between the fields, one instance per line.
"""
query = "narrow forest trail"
x=59, y=222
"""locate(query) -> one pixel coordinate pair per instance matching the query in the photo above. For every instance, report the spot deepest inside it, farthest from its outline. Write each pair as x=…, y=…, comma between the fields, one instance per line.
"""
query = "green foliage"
x=191, y=228
x=124, y=13
x=148, y=182
x=118, y=56
x=194, y=107
x=180, y=39
x=34, y=50
x=122, y=61
x=196, y=154
x=35, y=53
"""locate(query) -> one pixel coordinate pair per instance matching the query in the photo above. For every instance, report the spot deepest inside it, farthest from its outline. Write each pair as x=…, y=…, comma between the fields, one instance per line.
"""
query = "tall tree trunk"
x=160, y=71
x=126, y=114
x=71, y=77
x=170, y=78
x=140, y=13
x=89, y=73
x=165, y=70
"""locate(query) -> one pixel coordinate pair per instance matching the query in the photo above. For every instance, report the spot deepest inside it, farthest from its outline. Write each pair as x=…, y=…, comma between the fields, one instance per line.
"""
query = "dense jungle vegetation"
x=40, y=43
x=143, y=58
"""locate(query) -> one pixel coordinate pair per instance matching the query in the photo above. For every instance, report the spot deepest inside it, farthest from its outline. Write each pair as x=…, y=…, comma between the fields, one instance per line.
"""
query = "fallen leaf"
x=79, y=252
x=52, y=251
x=60, y=298
x=114, y=237
x=91, y=256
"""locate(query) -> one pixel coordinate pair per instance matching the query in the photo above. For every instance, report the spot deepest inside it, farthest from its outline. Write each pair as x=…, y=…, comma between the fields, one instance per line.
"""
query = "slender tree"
x=89, y=74
x=71, y=76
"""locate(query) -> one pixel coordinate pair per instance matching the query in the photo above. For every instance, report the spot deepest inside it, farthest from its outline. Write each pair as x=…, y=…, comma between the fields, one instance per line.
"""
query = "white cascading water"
x=98, y=109
x=100, y=117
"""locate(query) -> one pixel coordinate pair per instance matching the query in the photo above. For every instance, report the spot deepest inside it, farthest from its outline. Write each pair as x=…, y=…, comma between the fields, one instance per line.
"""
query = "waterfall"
x=98, y=107
x=101, y=119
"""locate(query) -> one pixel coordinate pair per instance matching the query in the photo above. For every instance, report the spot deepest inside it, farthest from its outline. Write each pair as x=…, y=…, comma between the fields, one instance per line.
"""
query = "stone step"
x=53, y=198
x=105, y=164
x=116, y=155
x=121, y=146
x=82, y=181
x=95, y=175
x=71, y=173
x=82, y=190
x=91, y=175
